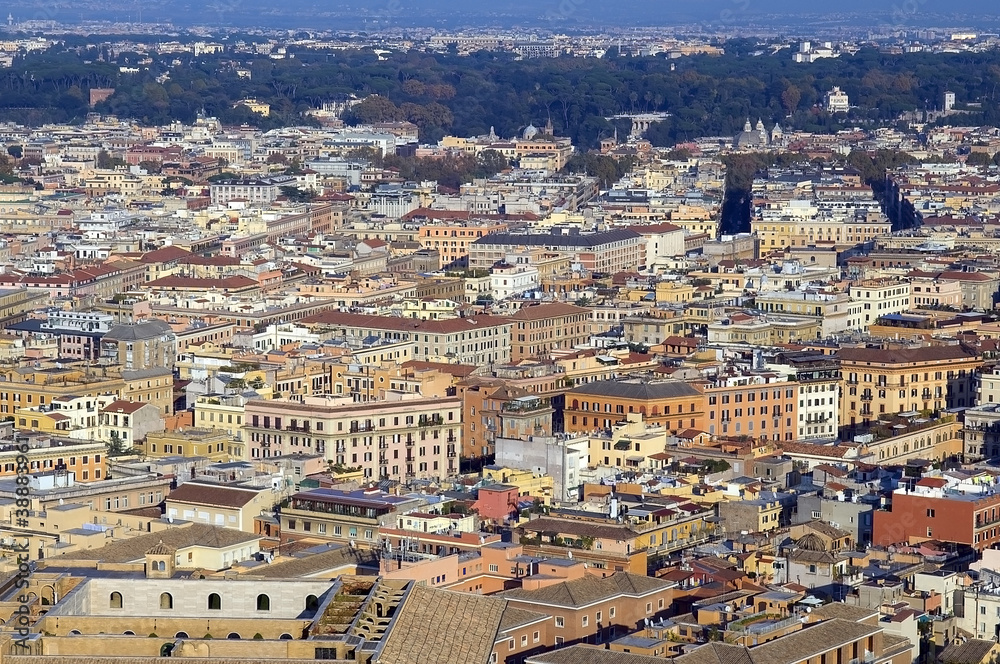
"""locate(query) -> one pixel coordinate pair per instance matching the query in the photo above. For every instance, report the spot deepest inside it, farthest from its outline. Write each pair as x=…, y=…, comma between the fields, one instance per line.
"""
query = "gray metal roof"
x=558, y=240
x=637, y=389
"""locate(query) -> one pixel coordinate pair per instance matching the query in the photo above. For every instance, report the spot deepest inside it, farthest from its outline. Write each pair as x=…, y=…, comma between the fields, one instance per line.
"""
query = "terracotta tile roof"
x=460, y=370
x=514, y=617
x=314, y=564
x=180, y=537
x=651, y=229
x=126, y=407
x=717, y=653
x=445, y=326
x=548, y=310
x=164, y=254
x=906, y=355
x=590, y=589
x=443, y=626
x=580, y=528
x=195, y=283
x=811, y=641
x=216, y=495
x=583, y=654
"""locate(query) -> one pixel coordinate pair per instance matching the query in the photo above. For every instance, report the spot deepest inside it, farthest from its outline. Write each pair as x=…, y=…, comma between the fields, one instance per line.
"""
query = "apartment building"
x=982, y=431
x=40, y=386
x=772, y=330
x=452, y=240
x=603, y=251
x=761, y=405
x=831, y=309
x=225, y=506
x=817, y=379
x=213, y=444
x=876, y=298
x=475, y=340
x=596, y=610
x=833, y=640
x=344, y=516
x=402, y=438
x=882, y=381
x=87, y=460
x=261, y=191
x=935, y=508
x=540, y=329
x=493, y=409
x=672, y=404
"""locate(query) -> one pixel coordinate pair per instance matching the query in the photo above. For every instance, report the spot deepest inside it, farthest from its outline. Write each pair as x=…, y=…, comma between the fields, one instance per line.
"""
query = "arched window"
x=285, y=637
x=181, y=635
x=312, y=603
x=233, y=635
x=166, y=601
x=116, y=601
x=214, y=602
x=161, y=566
x=74, y=632
x=263, y=603
x=128, y=632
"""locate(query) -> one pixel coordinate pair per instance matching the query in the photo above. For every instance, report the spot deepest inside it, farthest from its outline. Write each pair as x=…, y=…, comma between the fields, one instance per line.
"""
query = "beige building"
x=225, y=506
x=875, y=298
x=401, y=438
x=880, y=381
x=214, y=444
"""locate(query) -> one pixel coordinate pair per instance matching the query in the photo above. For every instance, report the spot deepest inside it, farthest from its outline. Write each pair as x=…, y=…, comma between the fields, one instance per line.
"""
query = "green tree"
x=374, y=108
x=117, y=446
x=105, y=160
x=490, y=162
x=790, y=99
x=979, y=159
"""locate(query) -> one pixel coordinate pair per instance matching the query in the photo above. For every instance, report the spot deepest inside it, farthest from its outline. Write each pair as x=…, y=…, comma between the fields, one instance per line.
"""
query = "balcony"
x=432, y=421
x=867, y=396
x=362, y=428
x=524, y=405
x=761, y=623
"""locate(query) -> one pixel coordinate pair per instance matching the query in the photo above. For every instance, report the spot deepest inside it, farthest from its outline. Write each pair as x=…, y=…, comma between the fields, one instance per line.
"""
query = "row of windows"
x=338, y=531
x=750, y=396
x=214, y=600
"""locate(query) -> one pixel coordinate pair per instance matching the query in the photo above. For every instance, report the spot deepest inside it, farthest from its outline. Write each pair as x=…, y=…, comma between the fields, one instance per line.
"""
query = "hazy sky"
x=334, y=13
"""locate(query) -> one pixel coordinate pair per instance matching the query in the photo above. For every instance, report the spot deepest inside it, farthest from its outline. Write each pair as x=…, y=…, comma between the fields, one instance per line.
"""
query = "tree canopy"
x=466, y=95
